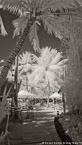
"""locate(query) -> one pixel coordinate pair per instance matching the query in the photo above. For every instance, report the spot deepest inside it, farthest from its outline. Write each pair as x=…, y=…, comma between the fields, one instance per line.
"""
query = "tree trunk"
x=63, y=100
x=14, y=53
x=27, y=81
x=16, y=82
x=53, y=92
x=48, y=95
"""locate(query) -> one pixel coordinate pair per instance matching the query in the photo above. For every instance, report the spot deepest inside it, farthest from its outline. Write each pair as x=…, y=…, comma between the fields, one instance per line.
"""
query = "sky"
x=7, y=43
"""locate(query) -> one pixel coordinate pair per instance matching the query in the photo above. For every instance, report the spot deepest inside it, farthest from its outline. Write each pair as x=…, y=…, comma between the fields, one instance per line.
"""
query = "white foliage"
x=25, y=62
x=2, y=28
x=49, y=66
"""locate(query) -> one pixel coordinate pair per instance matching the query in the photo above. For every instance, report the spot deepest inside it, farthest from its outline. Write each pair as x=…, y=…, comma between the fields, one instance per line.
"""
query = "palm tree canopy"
x=41, y=11
x=50, y=65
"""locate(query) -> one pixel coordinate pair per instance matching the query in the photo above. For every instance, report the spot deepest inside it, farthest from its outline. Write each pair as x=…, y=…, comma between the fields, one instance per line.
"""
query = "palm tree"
x=39, y=87
x=33, y=13
x=49, y=67
x=26, y=61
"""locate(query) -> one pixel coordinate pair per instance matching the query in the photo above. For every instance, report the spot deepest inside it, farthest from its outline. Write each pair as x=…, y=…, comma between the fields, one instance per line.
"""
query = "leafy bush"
x=74, y=98
x=4, y=112
x=73, y=79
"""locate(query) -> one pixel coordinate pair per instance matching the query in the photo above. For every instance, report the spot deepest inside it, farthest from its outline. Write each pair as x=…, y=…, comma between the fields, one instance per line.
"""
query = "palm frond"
x=45, y=57
x=56, y=68
x=37, y=70
x=27, y=4
x=33, y=36
x=24, y=58
x=27, y=58
x=78, y=4
x=40, y=5
x=53, y=25
x=78, y=8
x=20, y=24
x=49, y=75
x=62, y=62
x=55, y=5
x=12, y=6
x=41, y=10
x=17, y=3
x=26, y=61
x=38, y=77
x=19, y=7
x=2, y=28
x=46, y=68
x=48, y=24
x=16, y=6
x=56, y=59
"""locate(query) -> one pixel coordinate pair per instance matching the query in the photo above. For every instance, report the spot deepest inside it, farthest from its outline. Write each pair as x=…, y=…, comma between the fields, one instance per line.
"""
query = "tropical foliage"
x=74, y=77
x=26, y=60
x=49, y=69
x=50, y=66
x=2, y=28
x=39, y=73
x=60, y=17
x=4, y=112
x=74, y=69
x=32, y=14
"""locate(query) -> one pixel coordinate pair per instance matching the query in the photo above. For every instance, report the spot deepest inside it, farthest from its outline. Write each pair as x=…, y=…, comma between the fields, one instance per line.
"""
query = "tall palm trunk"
x=27, y=81
x=14, y=53
x=16, y=82
x=63, y=100
x=48, y=94
x=53, y=92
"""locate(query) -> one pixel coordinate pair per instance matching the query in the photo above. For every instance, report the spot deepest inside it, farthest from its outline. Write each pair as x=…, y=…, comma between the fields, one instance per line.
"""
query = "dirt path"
x=39, y=131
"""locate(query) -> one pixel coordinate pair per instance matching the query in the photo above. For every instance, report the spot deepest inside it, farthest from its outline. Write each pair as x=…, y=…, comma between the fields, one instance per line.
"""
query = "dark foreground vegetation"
x=69, y=128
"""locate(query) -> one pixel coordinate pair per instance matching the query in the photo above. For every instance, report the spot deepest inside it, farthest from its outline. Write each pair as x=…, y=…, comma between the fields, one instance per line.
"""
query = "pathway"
x=39, y=131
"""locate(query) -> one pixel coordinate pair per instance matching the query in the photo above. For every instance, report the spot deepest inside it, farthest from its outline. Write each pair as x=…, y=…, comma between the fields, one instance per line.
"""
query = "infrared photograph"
x=40, y=72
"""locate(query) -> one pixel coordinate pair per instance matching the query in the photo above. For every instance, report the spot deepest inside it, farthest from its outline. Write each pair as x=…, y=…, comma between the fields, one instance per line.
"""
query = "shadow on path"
x=39, y=131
